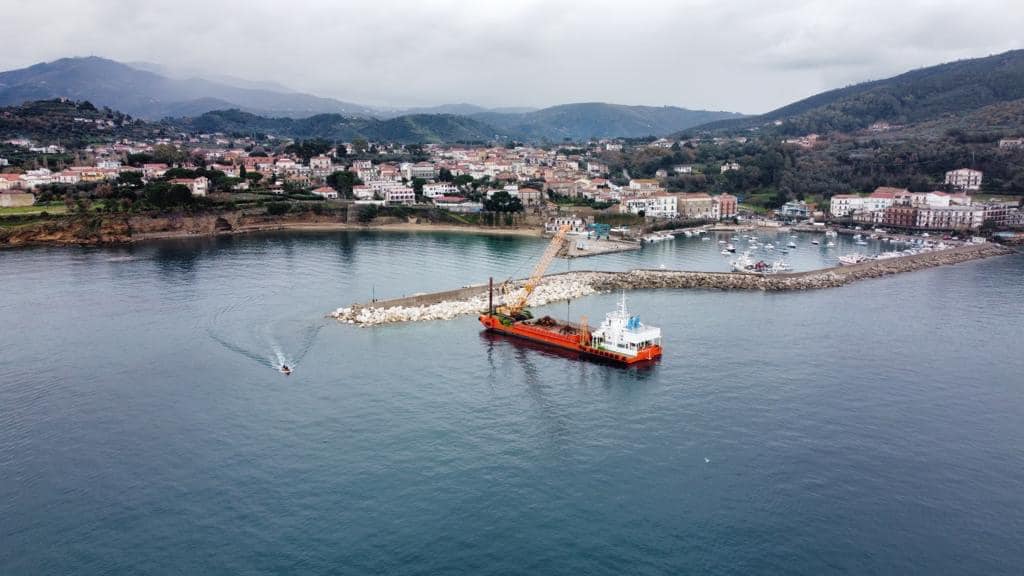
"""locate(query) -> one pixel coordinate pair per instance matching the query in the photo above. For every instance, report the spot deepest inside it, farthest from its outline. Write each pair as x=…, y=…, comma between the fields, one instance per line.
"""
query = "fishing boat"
x=657, y=237
x=780, y=265
x=746, y=265
x=851, y=259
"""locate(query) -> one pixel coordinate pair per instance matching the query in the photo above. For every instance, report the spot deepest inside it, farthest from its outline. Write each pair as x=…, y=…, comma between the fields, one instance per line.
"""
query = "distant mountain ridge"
x=410, y=128
x=152, y=92
x=599, y=120
x=923, y=95
x=151, y=96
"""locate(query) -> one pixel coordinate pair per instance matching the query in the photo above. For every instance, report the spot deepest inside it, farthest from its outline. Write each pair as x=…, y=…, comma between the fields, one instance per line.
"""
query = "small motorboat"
x=791, y=244
x=286, y=370
x=815, y=242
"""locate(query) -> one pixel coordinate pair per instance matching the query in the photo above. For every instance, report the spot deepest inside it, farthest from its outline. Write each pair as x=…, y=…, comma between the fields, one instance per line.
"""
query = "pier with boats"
x=473, y=300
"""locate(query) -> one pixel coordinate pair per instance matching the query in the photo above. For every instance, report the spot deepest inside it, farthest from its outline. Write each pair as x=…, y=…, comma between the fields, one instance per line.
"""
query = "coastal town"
x=523, y=185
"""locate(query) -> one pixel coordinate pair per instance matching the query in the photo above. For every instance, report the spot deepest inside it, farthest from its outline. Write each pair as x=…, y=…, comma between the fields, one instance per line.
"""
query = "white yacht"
x=851, y=259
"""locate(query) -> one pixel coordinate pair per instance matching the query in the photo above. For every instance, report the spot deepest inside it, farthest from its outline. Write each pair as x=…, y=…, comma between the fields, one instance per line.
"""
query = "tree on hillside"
x=165, y=195
x=417, y=186
x=343, y=181
x=502, y=201
x=168, y=154
x=306, y=149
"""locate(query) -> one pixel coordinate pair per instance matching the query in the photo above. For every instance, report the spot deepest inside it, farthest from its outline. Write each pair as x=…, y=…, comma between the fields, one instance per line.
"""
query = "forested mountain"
x=70, y=124
x=924, y=95
x=598, y=120
x=413, y=128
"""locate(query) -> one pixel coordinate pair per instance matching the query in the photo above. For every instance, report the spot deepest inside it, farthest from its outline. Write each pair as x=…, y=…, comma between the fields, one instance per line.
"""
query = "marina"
x=571, y=285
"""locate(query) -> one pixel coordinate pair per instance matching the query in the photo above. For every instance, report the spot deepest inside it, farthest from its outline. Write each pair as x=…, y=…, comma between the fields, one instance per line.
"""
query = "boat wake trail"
x=268, y=344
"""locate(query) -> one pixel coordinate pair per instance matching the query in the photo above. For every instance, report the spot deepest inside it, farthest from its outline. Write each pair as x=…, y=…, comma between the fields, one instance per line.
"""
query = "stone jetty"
x=572, y=285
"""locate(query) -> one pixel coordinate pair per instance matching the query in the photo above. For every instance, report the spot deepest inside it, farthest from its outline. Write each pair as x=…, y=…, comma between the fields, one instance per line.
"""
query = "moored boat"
x=621, y=338
x=851, y=259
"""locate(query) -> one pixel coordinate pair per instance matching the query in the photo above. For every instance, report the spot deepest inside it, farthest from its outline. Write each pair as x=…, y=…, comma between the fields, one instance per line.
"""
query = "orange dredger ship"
x=621, y=338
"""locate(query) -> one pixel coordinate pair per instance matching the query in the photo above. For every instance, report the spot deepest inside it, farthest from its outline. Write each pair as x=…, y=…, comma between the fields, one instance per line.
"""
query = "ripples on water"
x=874, y=428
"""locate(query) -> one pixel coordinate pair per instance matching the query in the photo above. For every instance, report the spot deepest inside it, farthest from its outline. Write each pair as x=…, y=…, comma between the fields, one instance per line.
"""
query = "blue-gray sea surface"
x=876, y=428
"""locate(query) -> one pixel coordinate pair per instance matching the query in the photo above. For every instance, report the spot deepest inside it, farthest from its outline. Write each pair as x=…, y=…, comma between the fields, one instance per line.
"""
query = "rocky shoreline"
x=120, y=229
x=571, y=285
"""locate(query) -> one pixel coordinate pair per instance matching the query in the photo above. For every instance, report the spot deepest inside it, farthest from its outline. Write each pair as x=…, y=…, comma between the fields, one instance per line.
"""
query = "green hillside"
x=928, y=94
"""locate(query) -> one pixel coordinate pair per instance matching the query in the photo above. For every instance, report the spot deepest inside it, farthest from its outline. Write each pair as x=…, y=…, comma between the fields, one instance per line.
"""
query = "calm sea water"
x=876, y=428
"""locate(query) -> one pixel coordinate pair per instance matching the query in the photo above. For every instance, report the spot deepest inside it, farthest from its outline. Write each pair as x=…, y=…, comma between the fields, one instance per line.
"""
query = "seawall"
x=571, y=285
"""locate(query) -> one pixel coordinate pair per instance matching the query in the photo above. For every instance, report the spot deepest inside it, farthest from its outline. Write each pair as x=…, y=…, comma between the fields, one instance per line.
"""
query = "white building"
x=729, y=166
x=964, y=179
x=951, y=217
x=321, y=165
x=662, y=205
x=16, y=199
x=644, y=185
x=362, y=192
x=326, y=192
x=659, y=205
x=424, y=170
x=400, y=195
x=457, y=204
x=10, y=181
x=684, y=169
x=434, y=189
x=197, y=186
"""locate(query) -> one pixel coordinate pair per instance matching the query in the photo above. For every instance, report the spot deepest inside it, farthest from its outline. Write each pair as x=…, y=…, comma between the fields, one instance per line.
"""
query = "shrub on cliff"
x=278, y=208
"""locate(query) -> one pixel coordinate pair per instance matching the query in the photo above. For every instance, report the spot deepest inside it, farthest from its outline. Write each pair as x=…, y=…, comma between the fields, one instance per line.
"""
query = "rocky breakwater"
x=448, y=305
x=571, y=285
x=812, y=280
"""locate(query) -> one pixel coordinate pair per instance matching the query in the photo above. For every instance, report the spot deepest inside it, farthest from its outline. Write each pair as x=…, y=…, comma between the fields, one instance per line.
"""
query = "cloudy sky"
x=743, y=55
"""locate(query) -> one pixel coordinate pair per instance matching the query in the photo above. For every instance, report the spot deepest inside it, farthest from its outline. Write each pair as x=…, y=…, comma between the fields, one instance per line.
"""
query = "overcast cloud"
x=746, y=56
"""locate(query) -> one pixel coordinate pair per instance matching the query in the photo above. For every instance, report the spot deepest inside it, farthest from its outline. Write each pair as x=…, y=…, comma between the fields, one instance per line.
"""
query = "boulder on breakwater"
x=570, y=285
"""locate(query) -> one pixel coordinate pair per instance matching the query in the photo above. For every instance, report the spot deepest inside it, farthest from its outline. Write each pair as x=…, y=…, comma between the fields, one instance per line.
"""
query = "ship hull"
x=565, y=341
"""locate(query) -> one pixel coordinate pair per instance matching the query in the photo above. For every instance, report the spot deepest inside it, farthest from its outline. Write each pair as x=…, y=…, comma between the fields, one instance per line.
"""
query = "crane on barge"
x=514, y=309
x=621, y=338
